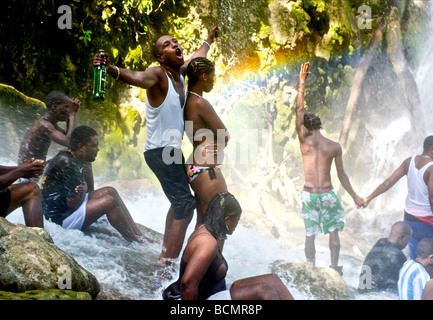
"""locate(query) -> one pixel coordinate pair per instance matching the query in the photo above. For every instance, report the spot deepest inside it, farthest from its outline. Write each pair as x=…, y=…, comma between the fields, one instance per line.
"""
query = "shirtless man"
x=320, y=205
x=25, y=195
x=38, y=138
x=68, y=200
x=166, y=97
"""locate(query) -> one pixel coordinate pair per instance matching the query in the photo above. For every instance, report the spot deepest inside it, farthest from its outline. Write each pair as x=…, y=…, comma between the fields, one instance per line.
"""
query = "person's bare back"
x=36, y=141
x=318, y=154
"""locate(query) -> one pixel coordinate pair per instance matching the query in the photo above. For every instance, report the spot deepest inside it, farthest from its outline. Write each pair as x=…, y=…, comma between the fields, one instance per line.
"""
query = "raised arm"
x=57, y=134
x=74, y=105
x=389, y=182
x=205, y=47
x=300, y=128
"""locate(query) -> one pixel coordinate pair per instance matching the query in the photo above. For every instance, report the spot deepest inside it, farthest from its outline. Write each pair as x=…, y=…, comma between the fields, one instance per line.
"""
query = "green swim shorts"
x=322, y=209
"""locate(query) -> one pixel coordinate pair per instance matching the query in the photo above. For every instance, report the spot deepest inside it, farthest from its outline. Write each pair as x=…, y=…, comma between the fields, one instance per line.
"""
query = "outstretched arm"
x=29, y=169
x=389, y=182
x=144, y=79
x=300, y=128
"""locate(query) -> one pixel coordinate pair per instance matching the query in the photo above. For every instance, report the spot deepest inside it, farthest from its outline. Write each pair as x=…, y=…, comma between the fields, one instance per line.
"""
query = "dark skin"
x=200, y=252
x=427, y=293
x=38, y=138
x=104, y=201
x=420, y=161
x=154, y=80
x=206, y=153
x=318, y=154
x=25, y=195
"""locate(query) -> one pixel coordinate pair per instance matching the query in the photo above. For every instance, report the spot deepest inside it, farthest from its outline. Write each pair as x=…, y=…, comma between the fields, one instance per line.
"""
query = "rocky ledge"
x=29, y=260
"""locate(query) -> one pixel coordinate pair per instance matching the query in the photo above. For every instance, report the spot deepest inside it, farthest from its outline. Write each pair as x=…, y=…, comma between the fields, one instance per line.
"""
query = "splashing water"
x=123, y=268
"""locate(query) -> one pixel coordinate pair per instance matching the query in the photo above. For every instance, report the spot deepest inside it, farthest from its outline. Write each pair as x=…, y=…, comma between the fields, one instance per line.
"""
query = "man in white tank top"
x=166, y=96
x=419, y=201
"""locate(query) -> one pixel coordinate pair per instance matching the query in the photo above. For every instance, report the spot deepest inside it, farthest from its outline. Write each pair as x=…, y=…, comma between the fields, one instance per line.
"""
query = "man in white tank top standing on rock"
x=419, y=201
x=166, y=97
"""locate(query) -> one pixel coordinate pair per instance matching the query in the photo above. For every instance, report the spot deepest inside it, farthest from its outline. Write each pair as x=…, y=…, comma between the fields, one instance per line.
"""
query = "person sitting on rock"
x=67, y=199
x=25, y=195
x=203, y=268
x=384, y=261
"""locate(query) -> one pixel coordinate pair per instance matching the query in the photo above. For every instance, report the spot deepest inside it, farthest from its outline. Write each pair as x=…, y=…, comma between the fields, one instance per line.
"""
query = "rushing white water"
x=118, y=265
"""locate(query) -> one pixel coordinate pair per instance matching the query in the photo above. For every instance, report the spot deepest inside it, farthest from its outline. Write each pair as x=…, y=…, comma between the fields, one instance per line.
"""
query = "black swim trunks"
x=5, y=200
x=173, y=181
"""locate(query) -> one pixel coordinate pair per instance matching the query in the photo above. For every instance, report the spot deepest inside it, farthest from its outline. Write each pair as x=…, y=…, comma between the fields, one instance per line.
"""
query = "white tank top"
x=165, y=124
x=417, y=200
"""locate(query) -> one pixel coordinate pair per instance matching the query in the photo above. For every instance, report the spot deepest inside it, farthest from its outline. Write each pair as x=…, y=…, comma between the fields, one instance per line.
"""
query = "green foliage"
x=86, y=37
x=261, y=41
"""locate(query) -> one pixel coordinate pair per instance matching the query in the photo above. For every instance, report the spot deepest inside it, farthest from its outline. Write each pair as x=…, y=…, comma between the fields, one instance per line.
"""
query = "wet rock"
x=319, y=283
x=51, y=294
x=29, y=260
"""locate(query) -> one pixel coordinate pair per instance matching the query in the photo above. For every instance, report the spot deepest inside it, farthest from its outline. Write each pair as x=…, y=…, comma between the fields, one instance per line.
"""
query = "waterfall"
x=118, y=266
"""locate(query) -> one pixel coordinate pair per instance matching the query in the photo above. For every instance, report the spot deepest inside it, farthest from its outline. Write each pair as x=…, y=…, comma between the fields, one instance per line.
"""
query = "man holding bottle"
x=166, y=97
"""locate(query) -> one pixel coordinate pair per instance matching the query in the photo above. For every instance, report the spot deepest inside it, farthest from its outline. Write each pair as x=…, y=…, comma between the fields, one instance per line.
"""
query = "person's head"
x=201, y=70
x=84, y=143
x=400, y=234
x=424, y=251
x=312, y=122
x=428, y=145
x=57, y=103
x=168, y=51
x=222, y=215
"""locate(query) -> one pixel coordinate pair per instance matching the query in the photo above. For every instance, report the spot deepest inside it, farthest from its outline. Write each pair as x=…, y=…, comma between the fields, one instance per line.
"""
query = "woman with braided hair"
x=203, y=269
x=209, y=136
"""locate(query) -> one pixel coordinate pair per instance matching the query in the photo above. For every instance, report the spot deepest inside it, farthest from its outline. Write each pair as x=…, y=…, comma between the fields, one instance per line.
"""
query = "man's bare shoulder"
x=42, y=125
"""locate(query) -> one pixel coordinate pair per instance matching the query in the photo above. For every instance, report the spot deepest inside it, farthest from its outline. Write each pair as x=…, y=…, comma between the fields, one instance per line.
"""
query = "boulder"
x=319, y=283
x=29, y=260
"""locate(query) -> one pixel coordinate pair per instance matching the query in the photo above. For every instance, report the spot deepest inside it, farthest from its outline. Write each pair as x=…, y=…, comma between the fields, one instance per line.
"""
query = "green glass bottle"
x=99, y=78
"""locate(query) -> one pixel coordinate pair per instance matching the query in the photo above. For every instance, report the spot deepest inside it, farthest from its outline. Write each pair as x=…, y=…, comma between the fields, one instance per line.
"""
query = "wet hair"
x=81, y=134
x=197, y=67
x=55, y=97
x=424, y=248
x=223, y=205
x=312, y=122
x=428, y=143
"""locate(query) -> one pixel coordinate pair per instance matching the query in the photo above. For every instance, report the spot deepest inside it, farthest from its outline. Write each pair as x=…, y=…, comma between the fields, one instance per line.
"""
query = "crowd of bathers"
x=62, y=190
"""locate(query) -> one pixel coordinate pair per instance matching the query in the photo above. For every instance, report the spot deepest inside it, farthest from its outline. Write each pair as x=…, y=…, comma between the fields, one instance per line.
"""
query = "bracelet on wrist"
x=207, y=44
x=118, y=72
